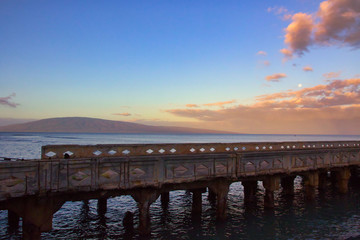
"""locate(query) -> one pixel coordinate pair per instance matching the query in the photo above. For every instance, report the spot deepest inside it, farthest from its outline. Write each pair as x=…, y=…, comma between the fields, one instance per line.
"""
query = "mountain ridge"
x=96, y=125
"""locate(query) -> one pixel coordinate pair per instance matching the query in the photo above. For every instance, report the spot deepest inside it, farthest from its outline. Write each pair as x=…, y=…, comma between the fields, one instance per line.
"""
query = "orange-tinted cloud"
x=219, y=104
x=266, y=63
x=261, y=53
x=275, y=77
x=192, y=105
x=288, y=54
x=333, y=108
x=6, y=101
x=298, y=33
x=337, y=22
x=331, y=75
x=308, y=69
x=125, y=114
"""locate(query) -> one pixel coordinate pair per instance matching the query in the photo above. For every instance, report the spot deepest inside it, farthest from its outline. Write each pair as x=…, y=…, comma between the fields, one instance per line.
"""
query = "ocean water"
x=329, y=216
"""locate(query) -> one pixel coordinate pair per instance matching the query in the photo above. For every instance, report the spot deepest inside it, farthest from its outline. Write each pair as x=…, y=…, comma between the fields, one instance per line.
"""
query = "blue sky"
x=144, y=61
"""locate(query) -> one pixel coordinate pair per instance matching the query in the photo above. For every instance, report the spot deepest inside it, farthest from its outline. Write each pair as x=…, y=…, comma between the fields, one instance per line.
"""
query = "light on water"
x=329, y=216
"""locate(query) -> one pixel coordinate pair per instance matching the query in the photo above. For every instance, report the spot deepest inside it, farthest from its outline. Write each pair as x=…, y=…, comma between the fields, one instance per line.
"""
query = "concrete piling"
x=250, y=188
x=144, y=198
x=221, y=188
x=271, y=184
x=287, y=184
x=311, y=182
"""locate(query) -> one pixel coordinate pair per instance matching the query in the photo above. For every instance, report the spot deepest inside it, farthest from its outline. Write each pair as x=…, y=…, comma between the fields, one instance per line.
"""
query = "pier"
x=34, y=190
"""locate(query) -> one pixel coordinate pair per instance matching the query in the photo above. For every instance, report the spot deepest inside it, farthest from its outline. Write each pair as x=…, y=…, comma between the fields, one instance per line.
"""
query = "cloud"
x=266, y=63
x=220, y=104
x=337, y=92
x=275, y=77
x=261, y=53
x=192, y=105
x=298, y=33
x=288, y=54
x=308, y=69
x=278, y=10
x=331, y=75
x=333, y=108
x=337, y=22
x=287, y=17
x=123, y=114
x=6, y=101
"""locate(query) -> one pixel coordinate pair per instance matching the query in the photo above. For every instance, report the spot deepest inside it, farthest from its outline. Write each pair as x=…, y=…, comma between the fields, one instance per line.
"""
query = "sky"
x=262, y=67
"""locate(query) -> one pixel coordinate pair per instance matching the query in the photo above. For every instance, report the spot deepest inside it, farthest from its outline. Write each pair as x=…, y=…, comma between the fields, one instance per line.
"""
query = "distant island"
x=95, y=125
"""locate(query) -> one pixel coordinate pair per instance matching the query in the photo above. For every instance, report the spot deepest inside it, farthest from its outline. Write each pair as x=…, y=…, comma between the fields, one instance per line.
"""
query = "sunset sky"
x=243, y=66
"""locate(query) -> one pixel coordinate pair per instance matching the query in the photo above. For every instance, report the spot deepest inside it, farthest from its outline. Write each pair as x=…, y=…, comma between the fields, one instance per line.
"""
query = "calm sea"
x=329, y=216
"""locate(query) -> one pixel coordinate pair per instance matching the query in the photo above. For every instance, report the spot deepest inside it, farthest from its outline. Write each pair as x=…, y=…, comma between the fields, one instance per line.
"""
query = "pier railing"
x=122, y=150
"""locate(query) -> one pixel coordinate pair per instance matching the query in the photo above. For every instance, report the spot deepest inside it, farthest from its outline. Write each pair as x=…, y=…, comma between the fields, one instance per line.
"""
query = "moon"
x=299, y=85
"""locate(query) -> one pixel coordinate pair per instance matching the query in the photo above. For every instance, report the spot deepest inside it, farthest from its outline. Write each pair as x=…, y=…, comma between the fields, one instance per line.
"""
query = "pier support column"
x=271, y=184
x=342, y=179
x=36, y=213
x=13, y=221
x=354, y=171
x=165, y=198
x=221, y=188
x=211, y=196
x=250, y=188
x=102, y=206
x=197, y=200
x=287, y=184
x=311, y=182
x=30, y=231
x=128, y=221
x=323, y=180
x=144, y=198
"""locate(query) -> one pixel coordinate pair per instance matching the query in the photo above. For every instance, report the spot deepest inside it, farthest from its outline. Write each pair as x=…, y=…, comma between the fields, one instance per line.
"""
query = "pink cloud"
x=261, y=53
x=125, y=114
x=220, y=104
x=288, y=54
x=308, y=69
x=266, y=63
x=298, y=33
x=337, y=22
x=192, y=105
x=275, y=77
x=6, y=101
x=333, y=108
x=331, y=75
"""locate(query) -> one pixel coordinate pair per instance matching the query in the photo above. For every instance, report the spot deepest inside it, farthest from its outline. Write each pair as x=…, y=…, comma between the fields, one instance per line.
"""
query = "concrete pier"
x=271, y=184
x=13, y=221
x=144, y=198
x=165, y=198
x=34, y=190
x=250, y=188
x=197, y=200
x=311, y=182
x=221, y=188
x=102, y=206
x=342, y=179
x=287, y=184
